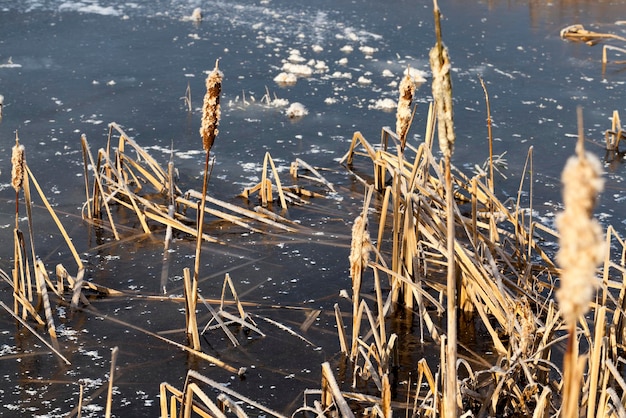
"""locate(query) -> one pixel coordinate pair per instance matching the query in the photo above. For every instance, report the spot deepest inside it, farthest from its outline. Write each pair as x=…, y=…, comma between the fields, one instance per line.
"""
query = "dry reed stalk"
x=242, y=211
x=42, y=289
x=216, y=317
x=357, y=138
x=114, y=353
x=578, y=33
x=604, y=55
x=199, y=354
x=225, y=402
x=581, y=251
x=187, y=98
x=191, y=374
x=266, y=188
x=98, y=192
x=83, y=142
x=442, y=94
x=194, y=389
x=81, y=391
x=615, y=134
x=489, y=134
x=596, y=360
x=43, y=340
x=341, y=331
x=56, y=219
x=293, y=170
x=403, y=112
x=191, y=299
x=22, y=287
x=332, y=394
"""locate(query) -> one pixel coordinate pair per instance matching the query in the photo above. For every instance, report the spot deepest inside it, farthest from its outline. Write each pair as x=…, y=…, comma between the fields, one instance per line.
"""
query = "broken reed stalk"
x=442, y=95
x=581, y=251
x=35, y=333
x=56, y=219
x=489, y=133
x=114, y=352
x=191, y=300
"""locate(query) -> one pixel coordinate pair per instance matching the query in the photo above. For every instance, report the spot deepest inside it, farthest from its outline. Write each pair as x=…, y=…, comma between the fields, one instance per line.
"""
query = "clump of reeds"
x=581, y=251
x=211, y=111
x=403, y=112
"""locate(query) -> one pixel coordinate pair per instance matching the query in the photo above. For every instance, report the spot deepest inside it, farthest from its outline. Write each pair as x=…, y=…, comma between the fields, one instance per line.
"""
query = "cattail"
x=442, y=93
x=360, y=248
x=17, y=161
x=359, y=257
x=403, y=114
x=581, y=239
x=211, y=108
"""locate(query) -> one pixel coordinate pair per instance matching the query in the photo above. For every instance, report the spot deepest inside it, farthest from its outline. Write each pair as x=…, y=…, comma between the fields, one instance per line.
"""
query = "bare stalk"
x=442, y=94
x=114, y=352
x=208, y=131
x=489, y=133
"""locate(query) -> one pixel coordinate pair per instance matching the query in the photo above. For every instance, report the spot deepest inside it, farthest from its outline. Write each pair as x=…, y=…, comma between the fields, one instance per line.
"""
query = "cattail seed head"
x=360, y=247
x=581, y=239
x=442, y=94
x=403, y=113
x=211, y=111
x=17, y=162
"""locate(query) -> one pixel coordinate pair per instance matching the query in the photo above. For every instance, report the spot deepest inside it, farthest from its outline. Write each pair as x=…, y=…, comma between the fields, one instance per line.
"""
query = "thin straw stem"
x=114, y=352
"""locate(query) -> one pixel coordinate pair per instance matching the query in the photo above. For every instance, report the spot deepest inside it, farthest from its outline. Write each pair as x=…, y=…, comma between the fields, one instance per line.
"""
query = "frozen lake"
x=71, y=67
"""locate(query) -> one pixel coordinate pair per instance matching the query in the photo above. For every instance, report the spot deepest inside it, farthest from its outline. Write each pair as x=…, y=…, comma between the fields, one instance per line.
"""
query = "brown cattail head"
x=211, y=108
x=17, y=161
x=442, y=94
x=360, y=247
x=581, y=240
x=403, y=114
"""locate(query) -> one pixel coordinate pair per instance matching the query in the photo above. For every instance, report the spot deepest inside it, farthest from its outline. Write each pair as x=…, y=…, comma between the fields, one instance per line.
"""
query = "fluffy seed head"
x=581, y=239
